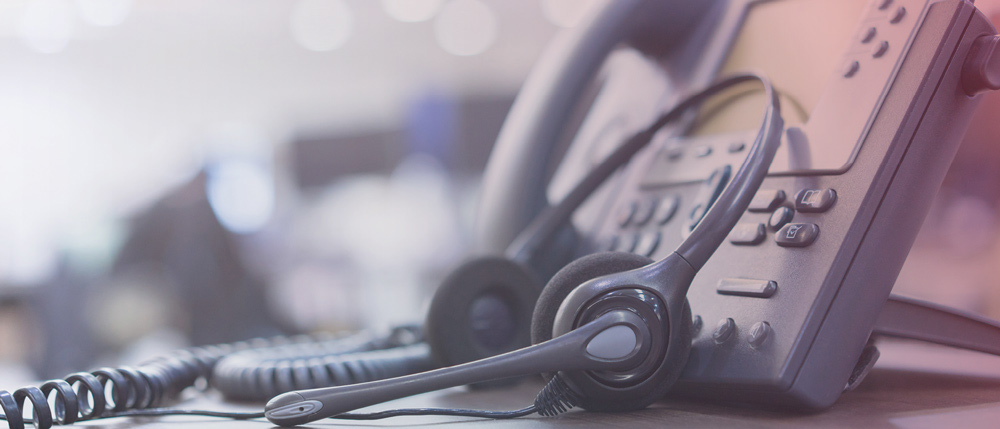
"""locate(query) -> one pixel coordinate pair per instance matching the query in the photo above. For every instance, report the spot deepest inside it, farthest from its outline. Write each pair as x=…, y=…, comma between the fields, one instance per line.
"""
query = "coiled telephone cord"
x=126, y=390
x=555, y=398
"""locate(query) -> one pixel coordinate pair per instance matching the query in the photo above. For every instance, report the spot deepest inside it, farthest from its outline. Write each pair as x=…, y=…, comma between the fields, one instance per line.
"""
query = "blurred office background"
x=180, y=172
x=188, y=172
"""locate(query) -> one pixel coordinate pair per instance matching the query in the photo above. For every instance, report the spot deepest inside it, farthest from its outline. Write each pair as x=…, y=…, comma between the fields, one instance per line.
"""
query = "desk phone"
x=876, y=95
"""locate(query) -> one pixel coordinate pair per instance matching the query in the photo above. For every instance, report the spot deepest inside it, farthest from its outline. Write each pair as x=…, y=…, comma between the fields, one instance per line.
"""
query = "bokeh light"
x=567, y=13
x=412, y=10
x=241, y=194
x=322, y=25
x=104, y=13
x=465, y=27
x=47, y=25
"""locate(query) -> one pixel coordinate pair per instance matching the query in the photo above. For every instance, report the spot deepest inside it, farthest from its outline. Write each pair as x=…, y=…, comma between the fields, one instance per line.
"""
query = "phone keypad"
x=643, y=221
x=639, y=223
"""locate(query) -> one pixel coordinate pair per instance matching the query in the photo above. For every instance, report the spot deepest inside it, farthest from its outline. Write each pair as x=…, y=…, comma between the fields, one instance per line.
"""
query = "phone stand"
x=914, y=319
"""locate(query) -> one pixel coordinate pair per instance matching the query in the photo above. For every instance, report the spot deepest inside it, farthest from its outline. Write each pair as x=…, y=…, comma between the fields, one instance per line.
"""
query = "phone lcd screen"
x=798, y=44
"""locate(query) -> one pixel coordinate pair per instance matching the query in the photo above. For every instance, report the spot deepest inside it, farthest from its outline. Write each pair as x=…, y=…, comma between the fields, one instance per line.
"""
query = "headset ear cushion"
x=482, y=309
x=576, y=273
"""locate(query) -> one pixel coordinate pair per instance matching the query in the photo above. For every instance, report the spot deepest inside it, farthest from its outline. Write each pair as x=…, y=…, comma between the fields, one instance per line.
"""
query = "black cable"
x=459, y=412
x=159, y=412
x=378, y=415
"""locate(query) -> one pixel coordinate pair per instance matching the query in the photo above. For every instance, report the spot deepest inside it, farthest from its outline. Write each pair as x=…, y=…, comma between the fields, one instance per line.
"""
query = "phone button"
x=758, y=335
x=747, y=234
x=648, y=243
x=766, y=200
x=724, y=330
x=868, y=34
x=625, y=213
x=666, y=209
x=852, y=68
x=898, y=15
x=643, y=211
x=797, y=235
x=880, y=49
x=747, y=287
x=815, y=200
x=780, y=217
x=628, y=242
x=710, y=191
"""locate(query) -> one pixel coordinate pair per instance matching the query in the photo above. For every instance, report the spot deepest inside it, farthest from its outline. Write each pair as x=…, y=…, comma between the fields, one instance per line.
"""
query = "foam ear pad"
x=482, y=309
x=576, y=273
x=598, y=398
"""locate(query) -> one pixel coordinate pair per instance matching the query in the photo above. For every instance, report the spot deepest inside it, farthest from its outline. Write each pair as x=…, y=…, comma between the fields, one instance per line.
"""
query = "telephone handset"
x=525, y=150
x=804, y=258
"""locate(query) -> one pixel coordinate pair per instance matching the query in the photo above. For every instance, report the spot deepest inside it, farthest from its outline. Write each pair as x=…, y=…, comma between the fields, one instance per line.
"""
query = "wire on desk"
x=555, y=398
x=161, y=412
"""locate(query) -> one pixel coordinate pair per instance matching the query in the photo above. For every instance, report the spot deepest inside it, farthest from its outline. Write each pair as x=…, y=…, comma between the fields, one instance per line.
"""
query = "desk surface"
x=912, y=386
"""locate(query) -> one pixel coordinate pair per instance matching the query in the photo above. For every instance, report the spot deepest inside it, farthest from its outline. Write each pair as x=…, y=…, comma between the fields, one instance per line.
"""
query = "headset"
x=614, y=328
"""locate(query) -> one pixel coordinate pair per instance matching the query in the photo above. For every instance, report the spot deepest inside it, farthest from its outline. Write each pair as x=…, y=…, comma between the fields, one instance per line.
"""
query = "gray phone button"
x=647, y=243
x=666, y=209
x=626, y=212
x=815, y=200
x=868, y=34
x=797, y=235
x=852, y=68
x=747, y=287
x=880, y=49
x=780, y=217
x=898, y=15
x=758, y=334
x=767, y=200
x=747, y=234
x=643, y=211
x=724, y=330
